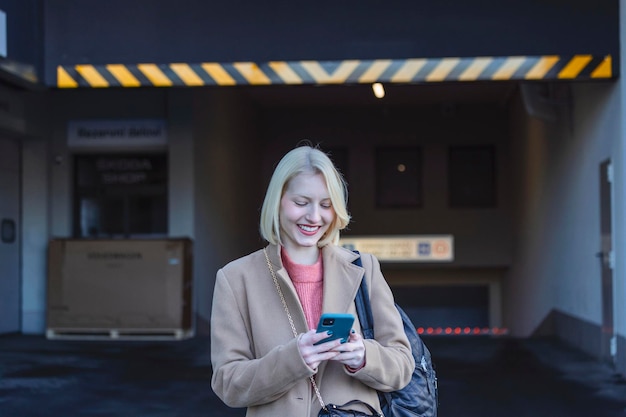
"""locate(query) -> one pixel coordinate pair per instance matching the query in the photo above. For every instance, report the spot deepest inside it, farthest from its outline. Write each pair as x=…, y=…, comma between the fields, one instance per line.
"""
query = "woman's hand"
x=351, y=353
x=313, y=354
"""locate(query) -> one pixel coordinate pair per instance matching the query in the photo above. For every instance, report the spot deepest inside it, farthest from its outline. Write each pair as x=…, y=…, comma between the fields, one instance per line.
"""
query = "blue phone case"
x=339, y=324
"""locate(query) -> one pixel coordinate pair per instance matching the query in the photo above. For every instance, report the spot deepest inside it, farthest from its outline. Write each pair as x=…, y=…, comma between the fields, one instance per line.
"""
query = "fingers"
x=314, y=354
x=351, y=353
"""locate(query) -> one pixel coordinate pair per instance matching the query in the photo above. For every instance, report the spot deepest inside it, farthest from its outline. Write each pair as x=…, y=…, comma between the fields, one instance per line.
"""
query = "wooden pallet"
x=119, y=334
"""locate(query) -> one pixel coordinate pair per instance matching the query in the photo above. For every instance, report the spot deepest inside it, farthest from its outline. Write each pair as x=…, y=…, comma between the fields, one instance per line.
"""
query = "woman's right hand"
x=313, y=354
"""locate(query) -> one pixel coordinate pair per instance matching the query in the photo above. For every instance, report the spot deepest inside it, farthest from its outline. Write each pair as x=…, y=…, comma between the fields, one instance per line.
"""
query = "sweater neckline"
x=303, y=273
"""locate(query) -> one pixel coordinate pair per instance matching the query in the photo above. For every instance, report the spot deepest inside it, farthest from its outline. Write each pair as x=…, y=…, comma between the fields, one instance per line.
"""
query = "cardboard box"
x=119, y=287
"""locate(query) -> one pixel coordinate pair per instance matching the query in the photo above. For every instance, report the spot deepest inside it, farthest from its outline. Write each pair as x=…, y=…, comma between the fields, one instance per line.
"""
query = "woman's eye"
x=300, y=203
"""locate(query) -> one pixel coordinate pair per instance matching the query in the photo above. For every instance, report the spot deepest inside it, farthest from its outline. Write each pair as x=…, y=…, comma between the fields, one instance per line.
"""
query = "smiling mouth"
x=309, y=229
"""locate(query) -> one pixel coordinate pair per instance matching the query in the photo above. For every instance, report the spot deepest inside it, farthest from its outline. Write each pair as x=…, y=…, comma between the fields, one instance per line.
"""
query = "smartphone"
x=338, y=323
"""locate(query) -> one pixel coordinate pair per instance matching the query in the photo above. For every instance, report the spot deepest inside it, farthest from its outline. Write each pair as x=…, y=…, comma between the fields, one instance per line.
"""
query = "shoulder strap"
x=363, y=307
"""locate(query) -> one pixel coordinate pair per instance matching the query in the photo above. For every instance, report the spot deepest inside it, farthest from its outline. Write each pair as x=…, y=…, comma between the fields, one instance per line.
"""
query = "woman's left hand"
x=351, y=353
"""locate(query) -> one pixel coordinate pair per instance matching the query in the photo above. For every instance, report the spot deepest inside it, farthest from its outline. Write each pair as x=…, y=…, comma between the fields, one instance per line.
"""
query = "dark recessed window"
x=472, y=176
x=398, y=177
x=120, y=195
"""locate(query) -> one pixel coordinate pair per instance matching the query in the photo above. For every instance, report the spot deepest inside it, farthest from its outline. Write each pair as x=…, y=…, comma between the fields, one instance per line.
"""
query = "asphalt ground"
x=478, y=376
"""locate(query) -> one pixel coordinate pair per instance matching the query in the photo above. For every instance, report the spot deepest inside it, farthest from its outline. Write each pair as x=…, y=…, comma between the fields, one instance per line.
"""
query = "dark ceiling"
x=396, y=94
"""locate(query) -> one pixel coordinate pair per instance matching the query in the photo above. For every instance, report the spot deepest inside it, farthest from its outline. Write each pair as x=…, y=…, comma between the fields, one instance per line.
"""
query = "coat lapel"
x=341, y=279
x=341, y=282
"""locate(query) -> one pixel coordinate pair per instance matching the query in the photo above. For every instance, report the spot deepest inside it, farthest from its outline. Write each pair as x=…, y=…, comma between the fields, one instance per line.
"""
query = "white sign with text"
x=417, y=248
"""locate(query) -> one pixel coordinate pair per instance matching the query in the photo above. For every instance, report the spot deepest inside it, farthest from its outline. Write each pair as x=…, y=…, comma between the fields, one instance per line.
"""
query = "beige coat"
x=255, y=358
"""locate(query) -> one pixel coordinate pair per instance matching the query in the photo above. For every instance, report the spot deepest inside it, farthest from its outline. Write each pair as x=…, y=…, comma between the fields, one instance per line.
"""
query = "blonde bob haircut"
x=304, y=159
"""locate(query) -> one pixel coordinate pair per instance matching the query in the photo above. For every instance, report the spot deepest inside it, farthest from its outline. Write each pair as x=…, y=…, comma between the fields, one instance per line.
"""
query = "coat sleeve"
x=239, y=378
x=389, y=362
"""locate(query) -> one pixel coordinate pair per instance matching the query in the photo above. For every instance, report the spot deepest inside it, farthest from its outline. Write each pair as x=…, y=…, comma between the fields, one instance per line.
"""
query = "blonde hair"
x=300, y=160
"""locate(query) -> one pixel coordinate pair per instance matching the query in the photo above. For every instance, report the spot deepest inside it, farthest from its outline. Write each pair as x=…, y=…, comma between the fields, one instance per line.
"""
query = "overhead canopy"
x=161, y=43
x=419, y=70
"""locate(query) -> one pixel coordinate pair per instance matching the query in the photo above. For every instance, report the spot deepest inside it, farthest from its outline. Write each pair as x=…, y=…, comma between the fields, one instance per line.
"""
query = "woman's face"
x=306, y=211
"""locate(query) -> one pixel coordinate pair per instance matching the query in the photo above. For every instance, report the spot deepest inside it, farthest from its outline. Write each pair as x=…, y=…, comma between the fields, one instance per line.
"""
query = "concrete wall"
x=620, y=205
x=228, y=188
x=620, y=360
x=36, y=227
x=557, y=216
x=31, y=129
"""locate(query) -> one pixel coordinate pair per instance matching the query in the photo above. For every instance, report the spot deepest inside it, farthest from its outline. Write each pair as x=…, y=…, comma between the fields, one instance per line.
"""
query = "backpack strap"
x=363, y=307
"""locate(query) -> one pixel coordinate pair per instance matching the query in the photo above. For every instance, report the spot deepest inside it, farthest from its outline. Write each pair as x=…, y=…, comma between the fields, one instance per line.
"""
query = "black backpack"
x=420, y=396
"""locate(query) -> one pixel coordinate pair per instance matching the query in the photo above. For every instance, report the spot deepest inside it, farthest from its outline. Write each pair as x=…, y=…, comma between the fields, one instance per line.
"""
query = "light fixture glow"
x=379, y=90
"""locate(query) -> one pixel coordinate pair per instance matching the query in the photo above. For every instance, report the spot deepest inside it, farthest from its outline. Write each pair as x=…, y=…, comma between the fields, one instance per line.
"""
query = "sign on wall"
x=116, y=133
x=426, y=248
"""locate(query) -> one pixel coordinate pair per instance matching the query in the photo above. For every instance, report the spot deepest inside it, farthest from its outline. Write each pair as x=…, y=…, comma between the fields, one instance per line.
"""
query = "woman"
x=257, y=361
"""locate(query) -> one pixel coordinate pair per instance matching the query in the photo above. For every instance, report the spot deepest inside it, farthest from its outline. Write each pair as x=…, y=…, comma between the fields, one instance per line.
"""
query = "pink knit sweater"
x=309, y=283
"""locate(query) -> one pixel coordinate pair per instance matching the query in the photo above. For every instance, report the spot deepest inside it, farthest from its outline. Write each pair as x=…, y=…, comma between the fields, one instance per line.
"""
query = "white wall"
x=558, y=208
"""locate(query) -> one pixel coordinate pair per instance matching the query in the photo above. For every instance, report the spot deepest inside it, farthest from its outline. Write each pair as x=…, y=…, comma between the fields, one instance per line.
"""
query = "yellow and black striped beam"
x=418, y=70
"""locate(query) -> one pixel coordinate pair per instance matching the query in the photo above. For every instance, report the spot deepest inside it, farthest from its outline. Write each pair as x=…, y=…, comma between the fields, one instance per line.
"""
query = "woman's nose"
x=313, y=215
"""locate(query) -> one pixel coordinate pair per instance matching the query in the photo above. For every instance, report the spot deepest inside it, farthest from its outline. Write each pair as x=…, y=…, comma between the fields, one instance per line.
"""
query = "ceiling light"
x=379, y=90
